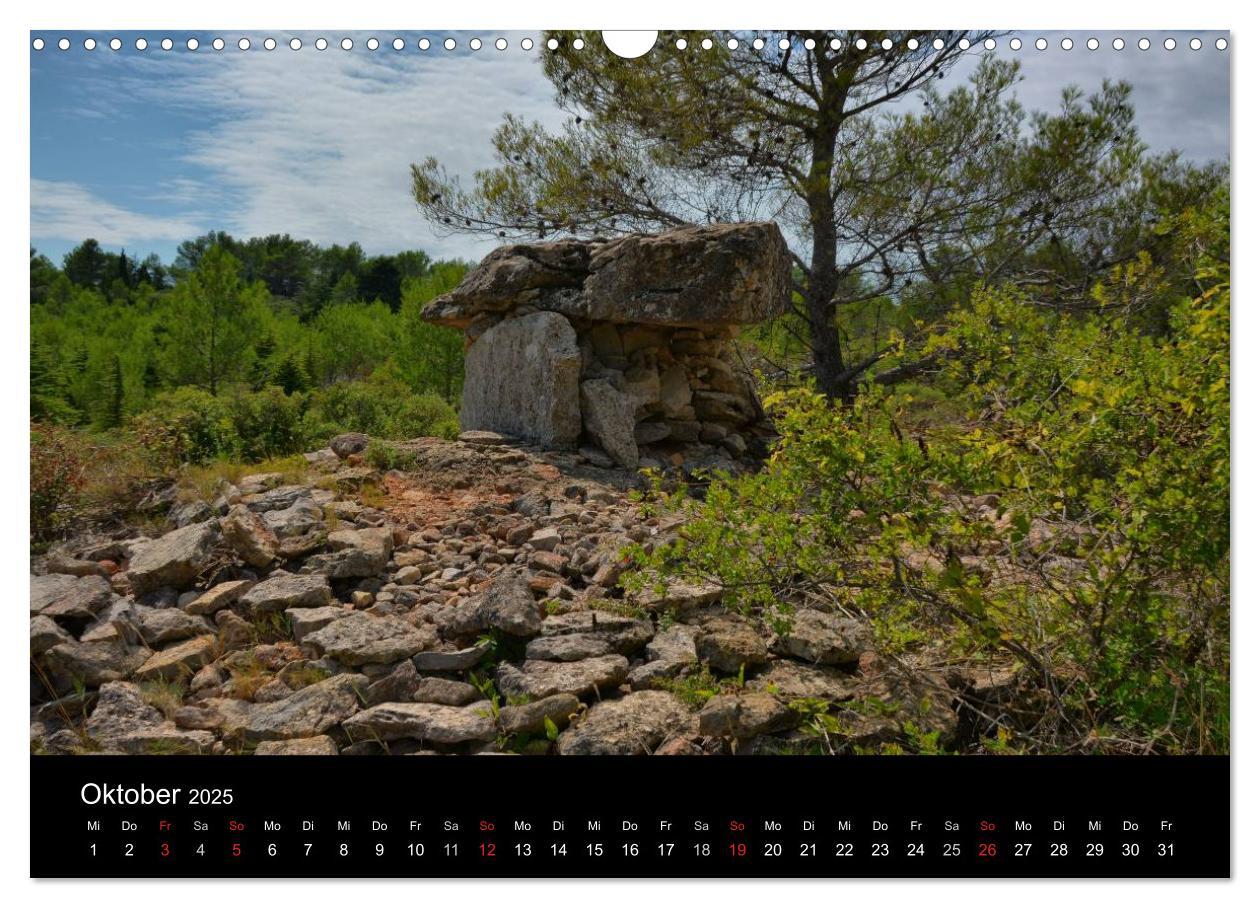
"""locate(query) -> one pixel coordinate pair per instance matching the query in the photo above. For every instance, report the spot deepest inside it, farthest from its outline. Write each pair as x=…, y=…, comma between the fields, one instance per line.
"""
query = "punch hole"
x=629, y=44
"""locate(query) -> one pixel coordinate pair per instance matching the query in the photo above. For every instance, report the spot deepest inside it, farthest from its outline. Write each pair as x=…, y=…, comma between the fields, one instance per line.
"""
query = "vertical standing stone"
x=521, y=379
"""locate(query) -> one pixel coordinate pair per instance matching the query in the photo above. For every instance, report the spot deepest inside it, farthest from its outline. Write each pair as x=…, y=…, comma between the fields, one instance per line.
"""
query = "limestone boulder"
x=283, y=590
x=608, y=415
x=634, y=724
x=429, y=722
x=174, y=559
x=719, y=274
x=250, y=536
x=521, y=379
x=362, y=639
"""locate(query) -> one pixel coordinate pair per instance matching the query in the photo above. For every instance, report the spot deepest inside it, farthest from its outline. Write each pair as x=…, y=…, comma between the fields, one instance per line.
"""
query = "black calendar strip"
x=450, y=817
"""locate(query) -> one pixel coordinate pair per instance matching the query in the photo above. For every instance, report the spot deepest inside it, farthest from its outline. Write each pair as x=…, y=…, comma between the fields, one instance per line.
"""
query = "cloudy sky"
x=144, y=149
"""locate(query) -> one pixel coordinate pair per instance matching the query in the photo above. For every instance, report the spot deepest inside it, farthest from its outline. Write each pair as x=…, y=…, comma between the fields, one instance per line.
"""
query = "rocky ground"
x=472, y=603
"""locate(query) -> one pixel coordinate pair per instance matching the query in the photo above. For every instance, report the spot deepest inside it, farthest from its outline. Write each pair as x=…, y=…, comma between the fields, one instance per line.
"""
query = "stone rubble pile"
x=620, y=348
x=480, y=609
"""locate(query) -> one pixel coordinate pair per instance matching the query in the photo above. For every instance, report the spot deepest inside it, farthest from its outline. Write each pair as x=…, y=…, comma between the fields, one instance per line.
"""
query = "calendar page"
x=630, y=454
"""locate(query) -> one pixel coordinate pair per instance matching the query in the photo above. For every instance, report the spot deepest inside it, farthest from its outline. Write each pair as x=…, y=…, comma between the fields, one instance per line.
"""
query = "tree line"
x=111, y=332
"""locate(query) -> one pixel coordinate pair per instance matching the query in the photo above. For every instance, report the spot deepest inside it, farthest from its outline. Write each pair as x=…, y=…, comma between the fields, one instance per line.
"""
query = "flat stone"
x=521, y=379
x=361, y=639
x=317, y=746
x=165, y=625
x=677, y=643
x=729, y=643
x=310, y=711
x=283, y=590
x=426, y=722
x=175, y=559
x=677, y=596
x=483, y=439
x=120, y=621
x=568, y=648
x=531, y=718
x=444, y=691
x=538, y=679
x=303, y=519
x=608, y=415
x=182, y=660
x=745, y=715
x=790, y=680
x=625, y=635
x=61, y=563
x=453, y=660
x=354, y=553
x=824, y=638
x=717, y=274
x=45, y=634
x=69, y=597
x=634, y=724
x=123, y=723
x=93, y=664
x=250, y=536
x=546, y=539
x=308, y=620
x=218, y=597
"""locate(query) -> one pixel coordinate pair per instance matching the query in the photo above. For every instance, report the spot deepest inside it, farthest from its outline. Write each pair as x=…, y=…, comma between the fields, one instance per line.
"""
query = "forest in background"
x=239, y=350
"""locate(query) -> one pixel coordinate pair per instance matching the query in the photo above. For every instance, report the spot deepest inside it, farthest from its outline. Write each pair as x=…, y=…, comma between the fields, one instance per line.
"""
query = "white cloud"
x=319, y=144
x=70, y=211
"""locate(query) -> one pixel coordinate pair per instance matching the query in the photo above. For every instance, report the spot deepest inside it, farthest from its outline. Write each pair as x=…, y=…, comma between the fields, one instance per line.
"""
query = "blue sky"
x=143, y=149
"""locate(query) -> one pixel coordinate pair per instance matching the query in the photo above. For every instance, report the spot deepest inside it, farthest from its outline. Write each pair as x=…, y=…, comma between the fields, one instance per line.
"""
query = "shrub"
x=1094, y=440
x=266, y=423
x=385, y=456
x=56, y=477
x=383, y=409
x=188, y=425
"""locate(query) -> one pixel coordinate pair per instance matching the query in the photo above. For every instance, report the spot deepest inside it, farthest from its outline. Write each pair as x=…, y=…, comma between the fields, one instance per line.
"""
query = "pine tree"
x=291, y=377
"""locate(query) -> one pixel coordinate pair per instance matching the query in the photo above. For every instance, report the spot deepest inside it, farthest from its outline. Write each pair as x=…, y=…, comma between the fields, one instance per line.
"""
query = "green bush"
x=1084, y=437
x=57, y=469
x=267, y=423
x=380, y=409
x=188, y=425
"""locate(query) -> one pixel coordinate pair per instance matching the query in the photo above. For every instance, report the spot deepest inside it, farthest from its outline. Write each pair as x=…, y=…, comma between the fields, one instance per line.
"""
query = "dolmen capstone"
x=622, y=344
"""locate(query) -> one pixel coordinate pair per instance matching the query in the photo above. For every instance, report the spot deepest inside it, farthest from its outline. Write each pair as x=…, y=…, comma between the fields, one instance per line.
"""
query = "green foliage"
x=218, y=369
x=213, y=319
x=384, y=409
x=1076, y=518
x=385, y=456
x=56, y=478
x=267, y=423
x=188, y=425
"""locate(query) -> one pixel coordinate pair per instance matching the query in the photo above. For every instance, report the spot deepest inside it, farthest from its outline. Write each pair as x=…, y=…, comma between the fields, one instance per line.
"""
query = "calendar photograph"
x=785, y=394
